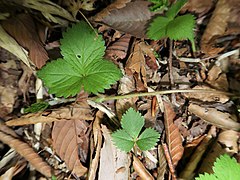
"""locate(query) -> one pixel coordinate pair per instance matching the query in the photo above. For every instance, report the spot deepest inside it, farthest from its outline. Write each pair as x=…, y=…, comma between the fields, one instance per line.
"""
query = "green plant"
x=158, y=5
x=129, y=136
x=173, y=26
x=225, y=168
x=39, y=106
x=82, y=65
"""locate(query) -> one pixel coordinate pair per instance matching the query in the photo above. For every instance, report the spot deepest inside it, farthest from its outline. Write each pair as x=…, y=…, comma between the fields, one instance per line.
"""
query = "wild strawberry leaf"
x=148, y=139
x=132, y=122
x=82, y=65
x=122, y=140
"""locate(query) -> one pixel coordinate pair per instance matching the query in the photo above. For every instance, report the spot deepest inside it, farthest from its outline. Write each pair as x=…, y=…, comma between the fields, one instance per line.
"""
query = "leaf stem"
x=101, y=99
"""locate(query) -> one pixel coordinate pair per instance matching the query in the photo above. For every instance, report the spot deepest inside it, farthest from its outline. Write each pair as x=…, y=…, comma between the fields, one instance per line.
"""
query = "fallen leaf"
x=206, y=97
x=118, y=49
x=70, y=112
x=24, y=150
x=129, y=17
x=162, y=163
x=23, y=29
x=173, y=136
x=67, y=137
x=8, y=43
x=141, y=170
x=215, y=117
x=224, y=16
x=217, y=78
x=136, y=63
x=229, y=139
x=198, y=6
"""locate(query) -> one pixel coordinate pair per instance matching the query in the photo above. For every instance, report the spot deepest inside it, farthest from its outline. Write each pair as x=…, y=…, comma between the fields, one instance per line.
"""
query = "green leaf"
x=158, y=5
x=122, y=140
x=82, y=65
x=158, y=28
x=175, y=8
x=132, y=122
x=36, y=107
x=226, y=167
x=148, y=139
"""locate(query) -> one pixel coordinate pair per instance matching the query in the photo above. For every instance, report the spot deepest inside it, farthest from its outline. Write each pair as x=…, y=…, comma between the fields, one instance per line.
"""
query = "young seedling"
x=172, y=26
x=129, y=136
x=224, y=168
x=82, y=65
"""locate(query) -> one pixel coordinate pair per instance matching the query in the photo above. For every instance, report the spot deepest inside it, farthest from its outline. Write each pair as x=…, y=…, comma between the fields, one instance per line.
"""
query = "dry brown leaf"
x=206, y=97
x=67, y=137
x=96, y=143
x=118, y=4
x=224, y=21
x=118, y=50
x=131, y=18
x=198, y=6
x=162, y=163
x=215, y=117
x=25, y=150
x=217, y=78
x=190, y=169
x=173, y=136
x=70, y=112
x=126, y=85
x=136, y=63
x=229, y=139
x=141, y=170
x=23, y=29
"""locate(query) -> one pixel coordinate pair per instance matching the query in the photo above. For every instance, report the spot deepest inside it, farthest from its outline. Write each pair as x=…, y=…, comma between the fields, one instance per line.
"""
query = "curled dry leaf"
x=173, y=135
x=70, y=112
x=162, y=163
x=67, y=137
x=25, y=150
x=118, y=50
x=23, y=29
x=215, y=117
x=132, y=18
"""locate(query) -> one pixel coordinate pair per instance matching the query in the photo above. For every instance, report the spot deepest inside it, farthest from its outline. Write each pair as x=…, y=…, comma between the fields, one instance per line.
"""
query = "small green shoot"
x=36, y=107
x=159, y=5
x=225, y=168
x=126, y=138
x=82, y=65
x=173, y=26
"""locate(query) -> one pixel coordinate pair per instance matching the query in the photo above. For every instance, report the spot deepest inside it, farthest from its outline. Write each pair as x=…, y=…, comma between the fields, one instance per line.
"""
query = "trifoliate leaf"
x=132, y=122
x=122, y=140
x=82, y=65
x=36, y=107
x=175, y=8
x=226, y=167
x=148, y=139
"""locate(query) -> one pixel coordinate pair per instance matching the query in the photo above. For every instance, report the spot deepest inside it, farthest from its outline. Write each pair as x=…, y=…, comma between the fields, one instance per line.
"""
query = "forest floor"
x=190, y=98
